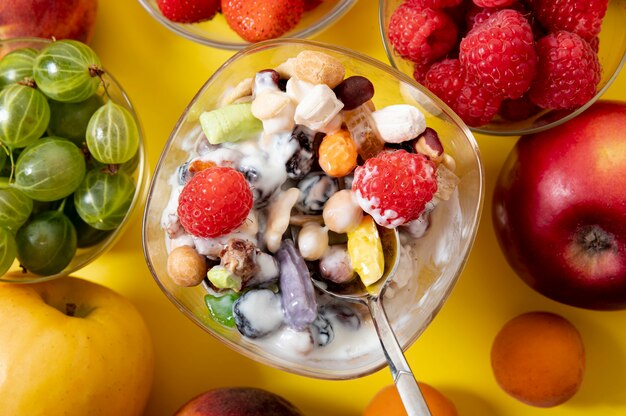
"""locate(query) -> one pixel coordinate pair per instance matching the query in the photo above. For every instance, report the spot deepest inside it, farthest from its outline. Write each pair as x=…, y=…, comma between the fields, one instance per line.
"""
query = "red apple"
x=72, y=19
x=559, y=209
x=238, y=401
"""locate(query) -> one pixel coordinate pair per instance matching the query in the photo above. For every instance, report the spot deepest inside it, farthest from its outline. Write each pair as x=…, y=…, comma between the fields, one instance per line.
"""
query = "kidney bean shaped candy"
x=354, y=91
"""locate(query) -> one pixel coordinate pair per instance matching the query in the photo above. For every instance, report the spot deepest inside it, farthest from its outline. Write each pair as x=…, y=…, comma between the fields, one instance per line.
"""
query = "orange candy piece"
x=338, y=154
x=387, y=402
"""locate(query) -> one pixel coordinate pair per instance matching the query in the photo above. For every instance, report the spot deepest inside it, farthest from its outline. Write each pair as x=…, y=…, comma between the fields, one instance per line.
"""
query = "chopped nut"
x=238, y=257
x=278, y=216
x=319, y=68
x=186, y=267
x=269, y=104
x=243, y=89
x=447, y=182
x=428, y=144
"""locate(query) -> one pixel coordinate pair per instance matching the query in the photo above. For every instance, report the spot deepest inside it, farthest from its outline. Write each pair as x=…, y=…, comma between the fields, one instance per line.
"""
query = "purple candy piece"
x=296, y=288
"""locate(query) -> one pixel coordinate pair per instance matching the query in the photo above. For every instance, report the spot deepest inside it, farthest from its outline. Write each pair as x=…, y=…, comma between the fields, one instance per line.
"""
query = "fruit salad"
x=291, y=179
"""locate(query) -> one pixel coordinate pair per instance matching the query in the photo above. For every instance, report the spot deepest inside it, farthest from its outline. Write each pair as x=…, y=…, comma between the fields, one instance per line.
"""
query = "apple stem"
x=70, y=309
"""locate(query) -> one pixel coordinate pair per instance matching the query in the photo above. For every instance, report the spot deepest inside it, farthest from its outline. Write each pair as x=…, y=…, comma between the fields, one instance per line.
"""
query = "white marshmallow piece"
x=318, y=108
x=399, y=123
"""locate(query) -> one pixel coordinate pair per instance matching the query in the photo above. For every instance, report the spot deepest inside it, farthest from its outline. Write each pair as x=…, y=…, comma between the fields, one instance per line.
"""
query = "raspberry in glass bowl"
x=508, y=67
x=284, y=168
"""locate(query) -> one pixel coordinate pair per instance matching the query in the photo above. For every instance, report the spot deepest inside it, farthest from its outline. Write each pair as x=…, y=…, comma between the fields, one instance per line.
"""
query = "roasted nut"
x=186, y=267
x=342, y=213
x=335, y=264
x=319, y=68
x=238, y=257
x=312, y=241
x=287, y=68
x=270, y=103
x=243, y=89
x=279, y=213
x=428, y=144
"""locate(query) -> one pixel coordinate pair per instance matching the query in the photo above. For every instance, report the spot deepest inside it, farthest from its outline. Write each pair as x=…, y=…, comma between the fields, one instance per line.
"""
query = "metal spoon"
x=372, y=296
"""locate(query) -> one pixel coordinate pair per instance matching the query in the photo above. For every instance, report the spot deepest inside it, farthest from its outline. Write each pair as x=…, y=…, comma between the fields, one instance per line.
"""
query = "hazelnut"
x=186, y=267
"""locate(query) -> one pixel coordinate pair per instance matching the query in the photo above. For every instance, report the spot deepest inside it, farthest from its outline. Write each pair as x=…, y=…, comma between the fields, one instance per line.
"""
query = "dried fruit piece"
x=338, y=154
x=296, y=289
x=363, y=131
x=221, y=307
x=354, y=91
x=366, y=251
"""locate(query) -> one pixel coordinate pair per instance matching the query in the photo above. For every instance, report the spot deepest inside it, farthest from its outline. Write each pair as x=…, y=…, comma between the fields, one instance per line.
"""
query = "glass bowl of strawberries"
x=508, y=67
x=287, y=166
x=234, y=24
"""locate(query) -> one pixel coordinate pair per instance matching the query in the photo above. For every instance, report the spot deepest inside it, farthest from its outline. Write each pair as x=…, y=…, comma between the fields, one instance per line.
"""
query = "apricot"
x=539, y=359
x=387, y=402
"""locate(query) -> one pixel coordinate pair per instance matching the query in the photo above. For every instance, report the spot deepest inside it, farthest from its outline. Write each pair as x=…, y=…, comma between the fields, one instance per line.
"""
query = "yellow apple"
x=72, y=347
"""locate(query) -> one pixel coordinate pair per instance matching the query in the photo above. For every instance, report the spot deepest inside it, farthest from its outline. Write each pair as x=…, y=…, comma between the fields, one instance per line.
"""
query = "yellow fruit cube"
x=366, y=251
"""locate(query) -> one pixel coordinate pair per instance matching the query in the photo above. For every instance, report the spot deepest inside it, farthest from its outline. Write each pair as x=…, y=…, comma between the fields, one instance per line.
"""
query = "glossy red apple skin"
x=557, y=188
x=238, y=401
x=63, y=19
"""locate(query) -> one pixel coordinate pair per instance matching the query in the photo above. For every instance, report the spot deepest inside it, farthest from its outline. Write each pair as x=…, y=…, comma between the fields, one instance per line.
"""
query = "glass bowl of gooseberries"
x=72, y=159
x=430, y=263
x=529, y=113
x=216, y=32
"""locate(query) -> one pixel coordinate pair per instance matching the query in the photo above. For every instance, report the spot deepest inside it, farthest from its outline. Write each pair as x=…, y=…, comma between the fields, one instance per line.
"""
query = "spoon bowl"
x=372, y=296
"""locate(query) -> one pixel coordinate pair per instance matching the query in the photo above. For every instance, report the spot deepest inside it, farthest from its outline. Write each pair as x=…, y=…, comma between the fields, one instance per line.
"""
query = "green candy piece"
x=66, y=71
x=15, y=208
x=223, y=279
x=70, y=120
x=231, y=123
x=16, y=66
x=221, y=307
x=8, y=250
x=24, y=115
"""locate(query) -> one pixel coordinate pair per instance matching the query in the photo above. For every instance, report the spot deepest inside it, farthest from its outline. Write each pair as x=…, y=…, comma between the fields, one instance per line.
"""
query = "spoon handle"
x=410, y=393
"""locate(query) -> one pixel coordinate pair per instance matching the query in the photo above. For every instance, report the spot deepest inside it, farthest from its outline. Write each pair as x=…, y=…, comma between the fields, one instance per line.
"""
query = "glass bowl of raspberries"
x=508, y=67
x=234, y=24
x=73, y=168
x=287, y=166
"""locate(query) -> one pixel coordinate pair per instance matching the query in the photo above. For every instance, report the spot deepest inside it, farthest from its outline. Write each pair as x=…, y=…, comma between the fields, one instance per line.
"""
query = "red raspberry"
x=188, y=11
x=500, y=54
x=518, y=109
x=583, y=17
x=568, y=72
x=475, y=106
x=214, y=202
x=421, y=35
x=420, y=70
x=493, y=3
x=434, y=4
x=395, y=186
x=476, y=15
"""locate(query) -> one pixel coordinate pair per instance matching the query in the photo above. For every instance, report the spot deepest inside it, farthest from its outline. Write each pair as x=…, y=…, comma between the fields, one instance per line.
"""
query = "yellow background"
x=161, y=72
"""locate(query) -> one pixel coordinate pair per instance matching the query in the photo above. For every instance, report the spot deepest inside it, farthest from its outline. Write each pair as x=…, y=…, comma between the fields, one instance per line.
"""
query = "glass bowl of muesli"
x=284, y=168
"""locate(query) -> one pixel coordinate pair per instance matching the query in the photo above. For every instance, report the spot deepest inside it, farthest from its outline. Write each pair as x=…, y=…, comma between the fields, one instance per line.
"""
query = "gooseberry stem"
x=96, y=71
x=62, y=206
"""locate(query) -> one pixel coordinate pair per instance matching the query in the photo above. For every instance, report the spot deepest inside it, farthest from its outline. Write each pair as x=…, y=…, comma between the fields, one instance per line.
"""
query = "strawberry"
x=311, y=4
x=257, y=20
x=188, y=11
x=214, y=202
